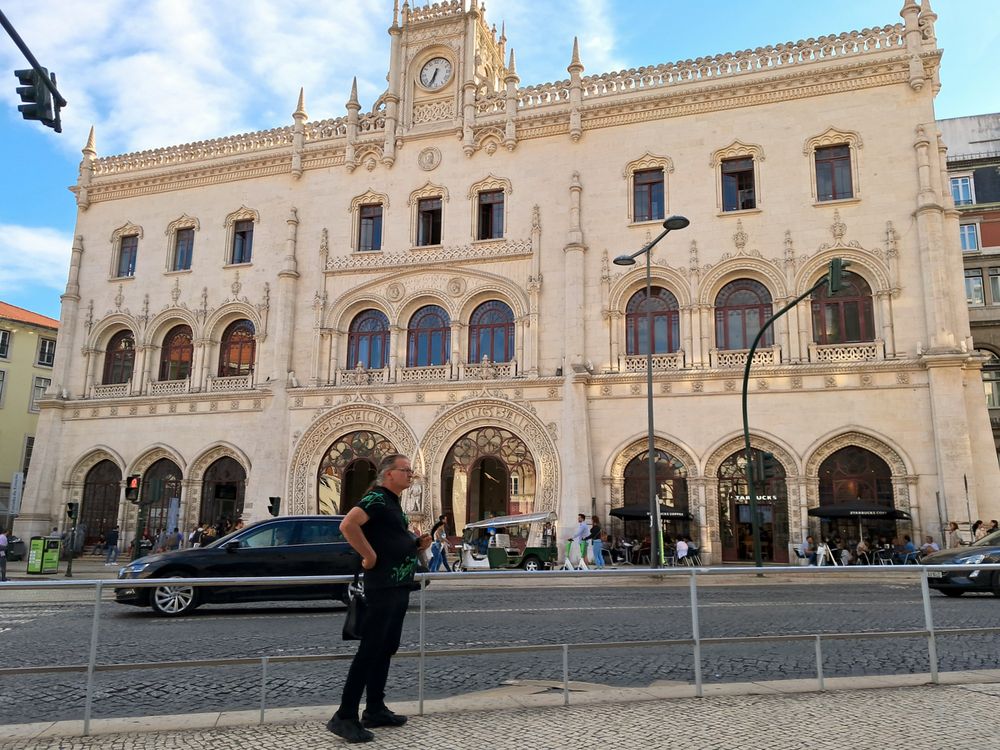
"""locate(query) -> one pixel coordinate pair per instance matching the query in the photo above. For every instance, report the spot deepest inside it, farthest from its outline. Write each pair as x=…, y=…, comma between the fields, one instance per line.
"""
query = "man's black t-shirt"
x=387, y=533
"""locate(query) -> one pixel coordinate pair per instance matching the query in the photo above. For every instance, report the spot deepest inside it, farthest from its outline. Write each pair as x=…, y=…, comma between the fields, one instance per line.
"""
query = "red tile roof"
x=11, y=312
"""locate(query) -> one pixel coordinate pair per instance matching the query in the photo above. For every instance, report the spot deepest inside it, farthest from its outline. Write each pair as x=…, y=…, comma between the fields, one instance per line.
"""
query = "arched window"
x=119, y=358
x=175, y=357
x=99, y=510
x=991, y=378
x=846, y=317
x=741, y=308
x=491, y=332
x=658, y=314
x=428, y=338
x=368, y=340
x=237, y=351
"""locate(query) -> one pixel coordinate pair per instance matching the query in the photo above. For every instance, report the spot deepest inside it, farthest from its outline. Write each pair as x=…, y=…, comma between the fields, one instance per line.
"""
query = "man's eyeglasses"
x=408, y=471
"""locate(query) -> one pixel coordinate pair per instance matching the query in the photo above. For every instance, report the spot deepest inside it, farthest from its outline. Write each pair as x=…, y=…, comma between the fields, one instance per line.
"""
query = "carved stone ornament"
x=456, y=286
x=429, y=158
x=316, y=440
x=395, y=291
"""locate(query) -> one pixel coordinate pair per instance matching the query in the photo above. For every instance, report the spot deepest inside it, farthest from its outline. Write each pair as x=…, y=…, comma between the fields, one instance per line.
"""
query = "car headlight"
x=136, y=567
x=971, y=559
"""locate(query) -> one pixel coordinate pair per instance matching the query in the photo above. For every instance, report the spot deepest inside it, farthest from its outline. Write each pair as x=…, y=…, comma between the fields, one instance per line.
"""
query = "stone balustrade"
x=230, y=383
x=737, y=358
x=169, y=387
x=112, y=390
x=424, y=374
x=637, y=362
x=865, y=351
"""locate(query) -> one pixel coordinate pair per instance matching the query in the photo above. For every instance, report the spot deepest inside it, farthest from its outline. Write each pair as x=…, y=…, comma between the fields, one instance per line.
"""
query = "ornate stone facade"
x=562, y=368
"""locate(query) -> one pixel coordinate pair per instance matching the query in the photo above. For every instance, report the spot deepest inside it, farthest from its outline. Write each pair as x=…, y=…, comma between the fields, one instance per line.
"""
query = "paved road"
x=43, y=633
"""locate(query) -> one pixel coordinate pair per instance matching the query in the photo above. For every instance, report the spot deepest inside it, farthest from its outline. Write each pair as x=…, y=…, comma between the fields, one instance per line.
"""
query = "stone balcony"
x=637, y=362
x=865, y=351
x=737, y=358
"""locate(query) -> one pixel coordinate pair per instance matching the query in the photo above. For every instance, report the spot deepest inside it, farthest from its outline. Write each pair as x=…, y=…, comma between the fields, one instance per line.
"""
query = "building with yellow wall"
x=27, y=352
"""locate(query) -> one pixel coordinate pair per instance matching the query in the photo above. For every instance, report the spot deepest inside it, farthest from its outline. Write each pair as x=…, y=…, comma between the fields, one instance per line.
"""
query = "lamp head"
x=624, y=260
x=676, y=222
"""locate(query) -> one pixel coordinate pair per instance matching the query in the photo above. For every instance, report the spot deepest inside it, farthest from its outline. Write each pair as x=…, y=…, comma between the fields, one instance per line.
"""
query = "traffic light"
x=835, y=278
x=132, y=488
x=36, y=95
x=72, y=510
x=765, y=466
x=274, y=505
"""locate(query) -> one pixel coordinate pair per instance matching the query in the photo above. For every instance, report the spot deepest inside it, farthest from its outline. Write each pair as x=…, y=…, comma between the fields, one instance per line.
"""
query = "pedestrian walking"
x=597, y=542
x=175, y=540
x=194, y=538
x=3, y=554
x=439, y=545
x=377, y=530
x=111, y=544
x=952, y=538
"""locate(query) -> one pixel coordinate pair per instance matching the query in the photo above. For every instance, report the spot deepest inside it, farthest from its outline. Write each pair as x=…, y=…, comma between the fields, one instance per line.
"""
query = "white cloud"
x=161, y=72
x=33, y=258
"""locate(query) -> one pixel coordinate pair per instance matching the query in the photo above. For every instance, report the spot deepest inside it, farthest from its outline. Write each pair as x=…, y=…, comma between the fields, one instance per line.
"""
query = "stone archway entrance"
x=735, y=520
x=99, y=508
x=223, y=489
x=487, y=472
x=849, y=475
x=348, y=468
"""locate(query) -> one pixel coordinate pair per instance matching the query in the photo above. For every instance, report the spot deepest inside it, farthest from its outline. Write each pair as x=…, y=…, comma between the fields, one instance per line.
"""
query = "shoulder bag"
x=355, y=620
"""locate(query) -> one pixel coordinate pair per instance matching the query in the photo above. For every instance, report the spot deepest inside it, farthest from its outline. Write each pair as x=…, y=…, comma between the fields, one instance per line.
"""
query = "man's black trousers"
x=369, y=671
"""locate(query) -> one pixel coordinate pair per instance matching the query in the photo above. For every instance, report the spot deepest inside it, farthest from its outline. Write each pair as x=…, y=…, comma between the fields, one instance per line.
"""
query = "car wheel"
x=173, y=601
x=954, y=593
x=458, y=567
x=533, y=564
x=352, y=590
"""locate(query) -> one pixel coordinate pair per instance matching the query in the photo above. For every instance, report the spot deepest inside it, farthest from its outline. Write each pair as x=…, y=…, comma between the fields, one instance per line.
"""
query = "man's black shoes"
x=350, y=729
x=382, y=717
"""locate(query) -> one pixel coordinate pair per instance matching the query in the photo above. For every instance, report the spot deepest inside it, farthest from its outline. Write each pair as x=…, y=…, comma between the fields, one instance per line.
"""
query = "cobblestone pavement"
x=956, y=717
x=38, y=633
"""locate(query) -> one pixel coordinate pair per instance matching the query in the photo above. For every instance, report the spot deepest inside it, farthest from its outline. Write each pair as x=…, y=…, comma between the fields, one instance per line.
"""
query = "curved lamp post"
x=656, y=533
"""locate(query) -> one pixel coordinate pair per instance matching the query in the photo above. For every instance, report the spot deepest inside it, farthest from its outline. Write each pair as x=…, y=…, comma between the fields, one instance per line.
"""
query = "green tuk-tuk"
x=506, y=542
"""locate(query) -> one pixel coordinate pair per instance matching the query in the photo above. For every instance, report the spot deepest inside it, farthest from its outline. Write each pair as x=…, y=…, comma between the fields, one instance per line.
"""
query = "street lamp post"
x=656, y=532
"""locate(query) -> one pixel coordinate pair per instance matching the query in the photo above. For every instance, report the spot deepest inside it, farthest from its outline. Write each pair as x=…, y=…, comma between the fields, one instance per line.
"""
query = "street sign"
x=16, y=490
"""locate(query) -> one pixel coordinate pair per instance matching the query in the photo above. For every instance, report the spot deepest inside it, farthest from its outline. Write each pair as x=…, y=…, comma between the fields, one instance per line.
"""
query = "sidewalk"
x=871, y=712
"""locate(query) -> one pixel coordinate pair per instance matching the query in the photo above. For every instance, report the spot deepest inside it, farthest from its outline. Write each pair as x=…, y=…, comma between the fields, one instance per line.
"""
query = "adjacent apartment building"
x=974, y=176
x=268, y=314
x=27, y=353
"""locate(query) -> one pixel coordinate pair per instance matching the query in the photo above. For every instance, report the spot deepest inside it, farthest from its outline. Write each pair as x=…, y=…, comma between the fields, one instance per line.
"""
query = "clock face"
x=435, y=73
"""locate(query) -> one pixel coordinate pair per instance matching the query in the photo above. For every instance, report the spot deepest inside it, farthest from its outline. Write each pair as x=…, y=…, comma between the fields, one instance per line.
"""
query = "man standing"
x=580, y=536
x=377, y=530
x=3, y=555
x=111, y=542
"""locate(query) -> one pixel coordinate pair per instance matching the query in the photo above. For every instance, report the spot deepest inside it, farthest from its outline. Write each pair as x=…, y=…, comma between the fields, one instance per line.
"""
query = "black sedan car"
x=957, y=582
x=289, y=546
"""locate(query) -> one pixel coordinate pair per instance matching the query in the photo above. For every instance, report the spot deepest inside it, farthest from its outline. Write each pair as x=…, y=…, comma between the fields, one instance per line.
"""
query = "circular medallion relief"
x=429, y=158
x=395, y=292
x=456, y=286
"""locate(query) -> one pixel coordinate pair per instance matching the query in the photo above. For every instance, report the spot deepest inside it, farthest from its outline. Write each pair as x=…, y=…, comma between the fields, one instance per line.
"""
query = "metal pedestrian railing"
x=695, y=642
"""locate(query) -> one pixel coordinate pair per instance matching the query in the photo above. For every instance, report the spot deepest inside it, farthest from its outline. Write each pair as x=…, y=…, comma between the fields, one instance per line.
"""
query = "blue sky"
x=150, y=73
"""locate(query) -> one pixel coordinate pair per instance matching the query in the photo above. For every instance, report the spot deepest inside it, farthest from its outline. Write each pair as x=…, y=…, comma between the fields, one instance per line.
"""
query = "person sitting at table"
x=929, y=547
x=809, y=550
x=907, y=551
x=861, y=553
x=682, y=551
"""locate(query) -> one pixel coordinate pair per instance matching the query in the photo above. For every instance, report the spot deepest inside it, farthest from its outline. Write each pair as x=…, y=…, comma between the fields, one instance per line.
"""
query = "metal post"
x=72, y=545
x=565, y=652
x=92, y=659
x=655, y=530
x=263, y=687
x=925, y=592
x=420, y=665
x=819, y=664
x=696, y=634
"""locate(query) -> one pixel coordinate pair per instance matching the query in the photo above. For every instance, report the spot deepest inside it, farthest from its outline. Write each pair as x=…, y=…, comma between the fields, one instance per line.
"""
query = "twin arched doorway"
x=736, y=520
x=850, y=475
x=223, y=489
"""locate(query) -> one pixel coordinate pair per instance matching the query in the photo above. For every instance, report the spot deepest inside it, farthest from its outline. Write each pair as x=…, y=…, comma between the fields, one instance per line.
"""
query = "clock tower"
x=444, y=59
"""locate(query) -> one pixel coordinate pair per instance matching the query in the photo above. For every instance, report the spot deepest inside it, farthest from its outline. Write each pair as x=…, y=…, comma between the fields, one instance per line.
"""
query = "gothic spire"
x=300, y=108
x=91, y=148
